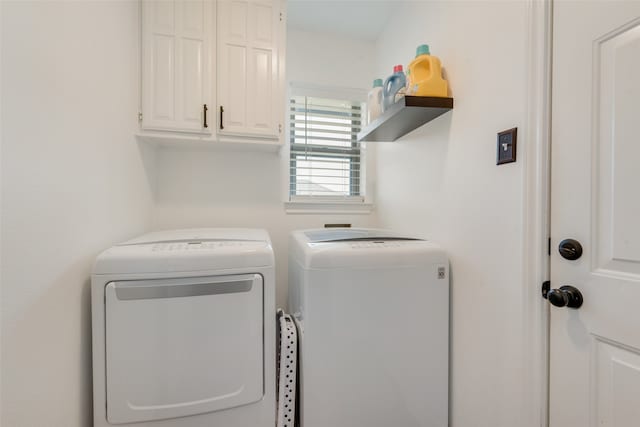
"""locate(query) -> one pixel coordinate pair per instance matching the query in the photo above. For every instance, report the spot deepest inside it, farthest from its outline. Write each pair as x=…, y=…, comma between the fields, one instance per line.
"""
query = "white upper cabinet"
x=177, y=55
x=250, y=68
x=210, y=64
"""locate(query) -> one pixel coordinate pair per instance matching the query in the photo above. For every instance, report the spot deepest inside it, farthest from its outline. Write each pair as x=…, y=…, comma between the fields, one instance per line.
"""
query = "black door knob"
x=566, y=296
x=570, y=249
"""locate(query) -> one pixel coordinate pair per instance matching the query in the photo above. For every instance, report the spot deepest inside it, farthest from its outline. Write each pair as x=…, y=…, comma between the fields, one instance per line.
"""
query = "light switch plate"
x=507, y=146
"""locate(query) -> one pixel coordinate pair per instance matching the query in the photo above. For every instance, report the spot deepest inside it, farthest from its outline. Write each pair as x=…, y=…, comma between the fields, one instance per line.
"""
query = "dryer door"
x=178, y=347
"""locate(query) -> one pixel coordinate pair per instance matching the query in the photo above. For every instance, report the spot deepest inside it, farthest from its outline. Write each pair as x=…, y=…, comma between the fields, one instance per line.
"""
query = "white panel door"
x=249, y=90
x=595, y=349
x=177, y=50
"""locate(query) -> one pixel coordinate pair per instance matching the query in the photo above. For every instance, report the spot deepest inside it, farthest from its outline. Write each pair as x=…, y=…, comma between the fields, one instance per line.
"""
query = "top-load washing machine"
x=184, y=330
x=372, y=308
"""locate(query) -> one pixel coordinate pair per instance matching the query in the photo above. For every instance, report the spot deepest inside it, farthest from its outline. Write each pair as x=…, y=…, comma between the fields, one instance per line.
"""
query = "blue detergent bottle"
x=392, y=85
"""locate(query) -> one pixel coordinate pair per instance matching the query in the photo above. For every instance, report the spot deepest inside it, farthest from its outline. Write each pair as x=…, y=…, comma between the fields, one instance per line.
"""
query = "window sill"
x=326, y=207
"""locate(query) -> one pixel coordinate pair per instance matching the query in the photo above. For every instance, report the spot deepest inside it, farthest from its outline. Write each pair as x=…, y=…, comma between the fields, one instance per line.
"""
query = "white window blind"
x=326, y=157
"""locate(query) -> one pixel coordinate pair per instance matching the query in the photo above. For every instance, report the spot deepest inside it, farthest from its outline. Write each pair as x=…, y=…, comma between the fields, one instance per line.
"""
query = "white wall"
x=205, y=188
x=442, y=183
x=73, y=183
x=329, y=59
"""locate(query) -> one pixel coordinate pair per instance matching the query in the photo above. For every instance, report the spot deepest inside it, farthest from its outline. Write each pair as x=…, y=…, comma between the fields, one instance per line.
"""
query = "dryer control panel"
x=196, y=246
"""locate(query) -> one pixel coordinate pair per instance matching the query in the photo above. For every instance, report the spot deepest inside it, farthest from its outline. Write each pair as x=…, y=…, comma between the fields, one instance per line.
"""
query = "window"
x=325, y=158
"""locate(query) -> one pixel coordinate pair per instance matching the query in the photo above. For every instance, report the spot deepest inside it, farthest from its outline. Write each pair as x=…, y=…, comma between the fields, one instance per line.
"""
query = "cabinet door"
x=176, y=64
x=249, y=69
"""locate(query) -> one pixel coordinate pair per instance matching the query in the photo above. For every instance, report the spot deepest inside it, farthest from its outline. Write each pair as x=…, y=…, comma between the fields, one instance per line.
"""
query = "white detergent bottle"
x=374, y=101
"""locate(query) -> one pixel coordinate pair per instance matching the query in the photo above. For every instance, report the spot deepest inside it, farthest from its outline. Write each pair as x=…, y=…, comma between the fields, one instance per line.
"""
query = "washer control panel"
x=374, y=244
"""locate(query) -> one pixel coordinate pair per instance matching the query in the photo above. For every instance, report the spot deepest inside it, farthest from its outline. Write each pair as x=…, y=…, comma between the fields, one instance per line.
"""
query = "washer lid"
x=352, y=234
x=191, y=250
x=348, y=248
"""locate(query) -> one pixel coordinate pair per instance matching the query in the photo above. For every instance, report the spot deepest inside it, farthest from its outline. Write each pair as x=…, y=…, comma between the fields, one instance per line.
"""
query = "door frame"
x=536, y=214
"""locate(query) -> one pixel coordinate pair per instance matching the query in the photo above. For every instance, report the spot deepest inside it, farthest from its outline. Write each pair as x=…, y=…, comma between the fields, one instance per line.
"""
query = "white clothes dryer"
x=184, y=330
x=372, y=309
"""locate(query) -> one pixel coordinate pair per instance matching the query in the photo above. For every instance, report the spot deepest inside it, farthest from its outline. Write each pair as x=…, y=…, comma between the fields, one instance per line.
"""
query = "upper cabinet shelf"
x=407, y=114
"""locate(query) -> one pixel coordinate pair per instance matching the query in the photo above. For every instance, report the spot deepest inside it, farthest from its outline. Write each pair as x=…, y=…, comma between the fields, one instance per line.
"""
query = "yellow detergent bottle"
x=409, y=82
x=426, y=75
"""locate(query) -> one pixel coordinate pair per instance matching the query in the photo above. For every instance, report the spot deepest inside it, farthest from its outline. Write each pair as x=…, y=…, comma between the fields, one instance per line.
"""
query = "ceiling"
x=360, y=19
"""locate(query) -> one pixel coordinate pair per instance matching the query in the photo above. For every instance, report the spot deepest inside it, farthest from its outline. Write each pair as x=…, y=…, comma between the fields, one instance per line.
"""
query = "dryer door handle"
x=151, y=289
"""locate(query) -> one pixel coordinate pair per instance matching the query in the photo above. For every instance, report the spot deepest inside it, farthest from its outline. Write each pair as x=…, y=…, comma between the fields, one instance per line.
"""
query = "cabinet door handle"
x=205, y=109
x=221, y=115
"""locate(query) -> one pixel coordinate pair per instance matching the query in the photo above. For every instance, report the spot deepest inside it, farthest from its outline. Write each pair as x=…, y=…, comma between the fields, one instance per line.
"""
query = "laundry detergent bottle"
x=392, y=87
x=426, y=75
x=374, y=101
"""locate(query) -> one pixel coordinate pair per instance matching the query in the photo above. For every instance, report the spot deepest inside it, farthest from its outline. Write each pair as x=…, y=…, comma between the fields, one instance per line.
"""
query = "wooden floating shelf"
x=407, y=114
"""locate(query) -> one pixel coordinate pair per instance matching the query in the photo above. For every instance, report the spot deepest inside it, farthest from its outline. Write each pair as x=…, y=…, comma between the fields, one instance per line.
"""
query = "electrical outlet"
x=507, y=146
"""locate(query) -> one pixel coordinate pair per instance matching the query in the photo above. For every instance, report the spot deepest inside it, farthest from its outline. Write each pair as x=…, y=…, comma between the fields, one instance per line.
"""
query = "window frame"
x=361, y=203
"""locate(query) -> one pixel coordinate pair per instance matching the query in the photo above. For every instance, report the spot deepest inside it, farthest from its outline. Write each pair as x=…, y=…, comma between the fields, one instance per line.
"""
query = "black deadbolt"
x=570, y=249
